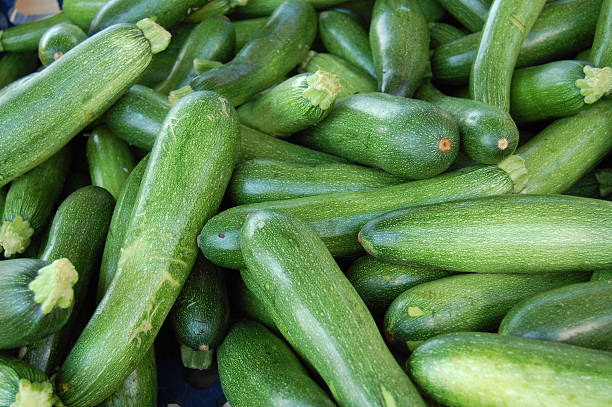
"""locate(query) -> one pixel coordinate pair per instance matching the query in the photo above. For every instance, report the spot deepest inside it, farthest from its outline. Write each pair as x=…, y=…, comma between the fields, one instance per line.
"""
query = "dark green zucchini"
x=442, y=33
x=271, y=54
x=604, y=179
x=431, y=10
x=214, y=8
x=245, y=29
x=601, y=52
x=30, y=200
x=25, y=37
x=419, y=139
x=602, y=275
x=247, y=305
x=82, y=12
x=378, y=283
x=586, y=187
x=201, y=65
x=16, y=65
x=2, y=200
x=465, y=302
x=58, y=40
x=500, y=234
x=319, y=312
x=472, y=14
x=21, y=385
x=399, y=38
x=255, y=8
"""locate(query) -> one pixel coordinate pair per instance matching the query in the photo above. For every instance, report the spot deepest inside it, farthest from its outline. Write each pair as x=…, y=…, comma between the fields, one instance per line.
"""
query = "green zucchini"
x=21, y=385
x=257, y=368
x=110, y=160
x=58, y=40
x=25, y=37
x=319, y=312
x=578, y=314
x=563, y=28
x=213, y=8
x=604, y=179
x=293, y=105
x=442, y=33
x=466, y=302
x=256, y=8
x=378, y=283
x=432, y=10
x=472, y=14
x=602, y=275
x=84, y=83
x=601, y=52
x=200, y=316
x=30, y=200
x=160, y=243
x=500, y=234
x=488, y=134
x=212, y=39
x=271, y=54
x=248, y=305
x=2, y=200
x=15, y=65
x=82, y=12
x=245, y=29
x=483, y=369
x=346, y=38
x=556, y=89
x=338, y=217
x=419, y=139
x=586, y=187
x=399, y=38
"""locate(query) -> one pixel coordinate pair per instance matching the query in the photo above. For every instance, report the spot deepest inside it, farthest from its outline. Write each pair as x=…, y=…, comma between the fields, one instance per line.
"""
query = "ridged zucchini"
x=82, y=12
x=601, y=52
x=58, y=40
x=15, y=65
x=442, y=33
x=25, y=37
x=21, y=385
x=472, y=14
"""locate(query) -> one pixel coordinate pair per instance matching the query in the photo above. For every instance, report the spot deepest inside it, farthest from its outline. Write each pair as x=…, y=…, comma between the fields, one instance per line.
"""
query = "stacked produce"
x=356, y=203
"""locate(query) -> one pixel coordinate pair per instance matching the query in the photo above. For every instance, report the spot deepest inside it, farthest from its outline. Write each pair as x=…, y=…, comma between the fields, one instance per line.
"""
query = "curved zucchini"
x=601, y=52
x=25, y=37
x=399, y=38
x=472, y=14
x=466, y=302
x=482, y=369
x=82, y=12
x=578, y=314
x=16, y=65
x=419, y=139
x=245, y=29
x=442, y=33
x=248, y=305
x=160, y=242
x=58, y=40
x=500, y=234
x=256, y=8
x=291, y=271
x=21, y=385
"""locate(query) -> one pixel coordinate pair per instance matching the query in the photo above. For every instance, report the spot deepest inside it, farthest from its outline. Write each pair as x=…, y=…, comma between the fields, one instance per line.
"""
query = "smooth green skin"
x=563, y=28
x=472, y=14
x=337, y=218
x=505, y=30
x=442, y=33
x=245, y=29
x=567, y=149
x=266, y=180
x=78, y=232
x=256, y=8
x=546, y=91
x=346, y=38
x=160, y=245
x=399, y=135
x=257, y=368
x=578, y=314
x=474, y=369
x=399, y=39
x=465, y=302
x=270, y=55
x=248, y=305
x=378, y=283
x=213, y=39
x=482, y=127
x=431, y=10
x=501, y=234
x=25, y=37
x=82, y=12
x=21, y=317
x=58, y=40
x=601, y=52
x=587, y=187
x=110, y=160
x=51, y=108
x=602, y=275
x=319, y=312
x=11, y=371
x=15, y=65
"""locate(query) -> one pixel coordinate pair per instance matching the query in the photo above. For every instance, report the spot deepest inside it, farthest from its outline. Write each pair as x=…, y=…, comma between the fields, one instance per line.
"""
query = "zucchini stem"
x=201, y=65
x=176, y=95
x=596, y=83
x=15, y=236
x=157, y=36
x=33, y=394
x=514, y=166
x=196, y=359
x=323, y=88
x=53, y=285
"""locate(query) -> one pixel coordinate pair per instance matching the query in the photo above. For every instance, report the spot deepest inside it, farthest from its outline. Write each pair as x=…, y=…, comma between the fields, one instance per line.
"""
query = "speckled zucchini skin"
x=15, y=65
x=601, y=52
x=319, y=312
x=502, y=234
x=475, y=369
x=578, y=314
x=257, y=368
x=25, y=37
x=442, y=33
x=82, y=12
x=472, y=14
x=245, y=29
x=58, y=40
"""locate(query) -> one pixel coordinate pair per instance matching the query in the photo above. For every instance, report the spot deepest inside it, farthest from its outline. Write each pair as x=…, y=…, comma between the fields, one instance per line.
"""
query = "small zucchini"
x=472, y=14
x=25, y=37
x=442, y=33
x=601, y=52
x=58, y=40
x=245, y=29
x=82, y=12
x=21, y=385
x=15, y=65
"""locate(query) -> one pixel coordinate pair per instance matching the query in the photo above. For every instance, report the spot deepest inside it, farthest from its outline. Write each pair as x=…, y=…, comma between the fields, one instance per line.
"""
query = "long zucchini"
x=21, y=385
x=472, y=14
x=82, y=12
x=601, y=52
x=15, y=65
x=246, y=304
x=25, y=37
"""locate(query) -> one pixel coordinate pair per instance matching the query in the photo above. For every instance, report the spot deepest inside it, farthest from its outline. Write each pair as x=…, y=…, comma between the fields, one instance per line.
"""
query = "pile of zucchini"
x=355, y=203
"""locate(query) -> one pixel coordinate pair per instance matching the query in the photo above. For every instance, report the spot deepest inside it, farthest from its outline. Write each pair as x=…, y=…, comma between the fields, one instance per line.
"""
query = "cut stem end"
x=158, y=37
x=33, y=394
x=53, y=285
x=323, y=88
x=15, y=236
x=514, y=166
x=596, y=83
x=176, y=95
x=197, y=359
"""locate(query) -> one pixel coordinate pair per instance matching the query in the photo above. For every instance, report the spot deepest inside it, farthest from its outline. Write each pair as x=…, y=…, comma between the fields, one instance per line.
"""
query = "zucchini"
x=406, y=137
x=563, y=28
x=432, y=10
x=483, y=369
x=82, y=12
x=21, y=385
x=256, y=8
x=214, y=8
x=2, y=200
x=291, y=271
x=346, y=38
x=15, y=65
x=257, y=368
x=212, y=39
x=248, y=305
x=245, y=29
x=399, y=38
x=556, y=89
x=500, y=234
x=110, y=160
x=578, y=314
x=378, y=283
x=271, y=54
x=338, y=217
x=586, y=187
x=266, y=180
x=30, y=200
x=601, y=52
x=488, y=134
x=293, y=105
x=25, y=37
x=84, y=83
x=58, y=40
x=466, y=302
x=160, y=242
x=602, y=275
x=472, y=14
x=442, y=33
x=604, y=179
